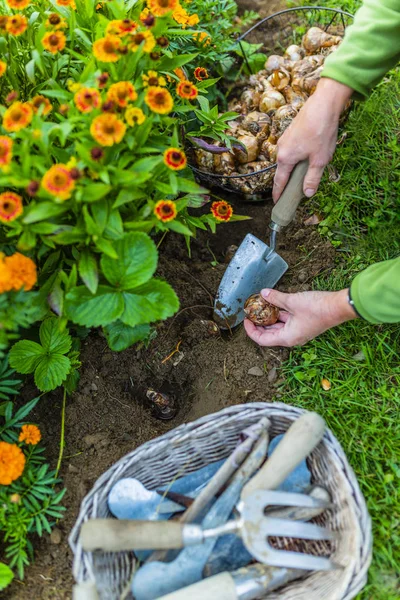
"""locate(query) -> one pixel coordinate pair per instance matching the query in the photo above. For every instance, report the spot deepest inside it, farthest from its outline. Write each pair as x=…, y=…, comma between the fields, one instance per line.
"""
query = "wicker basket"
x=211, y=438
x=275, y=32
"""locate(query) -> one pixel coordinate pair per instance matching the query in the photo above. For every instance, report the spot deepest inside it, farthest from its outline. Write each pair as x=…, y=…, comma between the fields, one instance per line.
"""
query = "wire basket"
x=214, y=437
x=275, y=32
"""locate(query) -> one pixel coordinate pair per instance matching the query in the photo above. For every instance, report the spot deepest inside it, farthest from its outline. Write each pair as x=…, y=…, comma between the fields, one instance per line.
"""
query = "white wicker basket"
x=206, y=440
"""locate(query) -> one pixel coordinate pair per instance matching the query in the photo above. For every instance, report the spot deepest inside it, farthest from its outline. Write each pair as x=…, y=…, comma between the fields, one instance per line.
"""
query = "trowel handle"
x=285, y=209
x=300, y=439
x=220, y=586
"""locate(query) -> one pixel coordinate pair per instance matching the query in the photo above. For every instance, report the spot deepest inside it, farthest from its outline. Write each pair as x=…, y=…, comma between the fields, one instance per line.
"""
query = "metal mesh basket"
x=275, y=32
x=194, y=445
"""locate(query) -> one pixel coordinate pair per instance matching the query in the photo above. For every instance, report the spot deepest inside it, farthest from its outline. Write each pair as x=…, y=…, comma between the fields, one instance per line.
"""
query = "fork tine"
x=297, y=529
x=277, y=498
x=296, y=560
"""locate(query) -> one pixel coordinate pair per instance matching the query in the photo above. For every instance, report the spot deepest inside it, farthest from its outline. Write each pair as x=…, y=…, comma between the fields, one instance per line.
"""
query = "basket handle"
x=285, y=209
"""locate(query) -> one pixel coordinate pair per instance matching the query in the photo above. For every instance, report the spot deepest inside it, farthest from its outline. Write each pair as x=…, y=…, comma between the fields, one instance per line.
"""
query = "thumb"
x=276, y=298
x=312, y=180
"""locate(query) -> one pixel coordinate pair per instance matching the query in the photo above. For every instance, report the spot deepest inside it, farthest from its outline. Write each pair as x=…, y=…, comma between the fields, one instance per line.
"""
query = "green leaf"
x=136, y=263
x=154, y=301
x=87, y=267
x=169, y=64
x=190, y=187
x=107, y=247
x=51, y=371
x=120, y=336
x=126, y=196
x=179, y=227
x=44, y=210
x=95, y=191
x=6, y=576
x=25, y=355
x=91, y=311
x=53, y=340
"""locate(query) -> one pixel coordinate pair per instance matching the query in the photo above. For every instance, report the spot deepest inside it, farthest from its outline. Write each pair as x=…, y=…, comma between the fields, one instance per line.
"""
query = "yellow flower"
x=30, y=434
x=10, y=206
x=121, y=93
x=17, y=116
x=159, y=100
x=144, y=39
x=153, y=79
x=202, y=38
x=87, y=99
x=73, y=86
x=41, y=102
x=3, y=67
x=16, y=24
x=18, y=4
x=121, y=27
x=165, y=210
x=107, y=129
x=187, y=89
x=54, y=41
x=134, y=116
x=6, y=145
x=55, y=21
x=175, y=159
x=58, y=182
x=70, y=3
x=12, y=463
x=106, y=49
x=161, y=7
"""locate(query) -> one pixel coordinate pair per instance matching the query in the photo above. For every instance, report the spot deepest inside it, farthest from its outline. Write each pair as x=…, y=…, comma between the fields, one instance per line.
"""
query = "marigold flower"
x=55, y=21
x=201, y=73
x=54, y=41
x=12, y=463
x=121, y=93
x=159, y=100
x=106, y=48
x=18, y=4
x=193, y=20
x=202, y=38
x=30, y=434
x=121, y=27
x=175, y=159
x=58, y=182
x=10, y=206
x=187, y=89
x=3, y=67
x=17, y=272
x=134, y=116
x=161, y=7
x=17, y=116
x=16, y=25
x=221, y=210
x=165, y=210
x=38, y=102
x=70, y=3
x=107, y=129
x=144, y=39
x=181, y=16
x=87, y=99
x=6, y=145
x=153, y=79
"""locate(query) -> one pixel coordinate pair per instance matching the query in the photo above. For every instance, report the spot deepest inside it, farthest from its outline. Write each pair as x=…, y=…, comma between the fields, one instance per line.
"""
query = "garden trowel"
x=255, y=265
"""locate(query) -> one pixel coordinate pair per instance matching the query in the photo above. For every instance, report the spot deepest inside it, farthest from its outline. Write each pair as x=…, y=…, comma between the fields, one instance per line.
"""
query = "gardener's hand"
x=303, y=316
x=312, y=135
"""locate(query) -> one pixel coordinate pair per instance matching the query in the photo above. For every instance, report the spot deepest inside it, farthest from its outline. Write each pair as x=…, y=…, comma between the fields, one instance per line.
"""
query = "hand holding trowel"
x=255, y=265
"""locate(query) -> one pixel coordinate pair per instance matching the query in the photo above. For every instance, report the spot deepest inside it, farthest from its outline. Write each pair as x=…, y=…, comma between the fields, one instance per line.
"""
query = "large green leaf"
x=91, y=311
x=136, y=263
x=6, y=576
x=87, y=267
x=154, y=301
x=51, y=371
x=54, y=340
x=120, y=336
x=43, y=210
x=25, y=355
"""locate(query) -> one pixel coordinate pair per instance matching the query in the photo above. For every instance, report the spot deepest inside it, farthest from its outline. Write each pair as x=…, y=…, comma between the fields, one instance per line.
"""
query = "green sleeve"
x=376, y=292
x=370, y=48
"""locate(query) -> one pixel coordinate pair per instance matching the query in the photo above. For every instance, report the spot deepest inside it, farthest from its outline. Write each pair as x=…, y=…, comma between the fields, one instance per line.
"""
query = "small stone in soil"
x=94, y=387
x=56, y=536
x=273, y=375
x=302, y=276
x=73, y=469
x=256, y=371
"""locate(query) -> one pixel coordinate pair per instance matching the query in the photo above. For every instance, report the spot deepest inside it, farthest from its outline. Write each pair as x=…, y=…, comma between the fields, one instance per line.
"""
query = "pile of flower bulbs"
x=267, y=105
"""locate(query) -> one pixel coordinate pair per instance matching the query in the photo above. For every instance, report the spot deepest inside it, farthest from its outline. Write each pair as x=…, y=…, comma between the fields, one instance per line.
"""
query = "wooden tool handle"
x=285, y=209
x=220, y=586
x=299, y=440
x=112, y=535
x=85, y=591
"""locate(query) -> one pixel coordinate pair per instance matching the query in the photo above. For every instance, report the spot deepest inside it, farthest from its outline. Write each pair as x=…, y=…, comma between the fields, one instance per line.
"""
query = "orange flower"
x=147, y=18
x=17, y=116
x=87, y=99
x=30, y=434
x=54, y=41
x=12, y=463
x=18, y=4
x=165, y=210
x=153, y=79
x=107, y=130
x=175, y=159
x=40, y=101
x=6, y=145
x=106, y=48
x=17, y=24
x=3, y=67
x=161, y=7
x=187, y=89
x=142, y=39
x=70, y=3
x=221, y=210
x=121, y=27
x=202, y=38
x=10, y=206
x=134, y=116
x=159, y=100
x=16, y=272
x=55, y=21
x=58, y=181
x=201, y=73
x=121, y=93
x=181, y=16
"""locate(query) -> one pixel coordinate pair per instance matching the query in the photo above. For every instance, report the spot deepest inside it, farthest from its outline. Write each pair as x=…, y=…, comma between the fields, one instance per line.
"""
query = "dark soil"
x=109, y=415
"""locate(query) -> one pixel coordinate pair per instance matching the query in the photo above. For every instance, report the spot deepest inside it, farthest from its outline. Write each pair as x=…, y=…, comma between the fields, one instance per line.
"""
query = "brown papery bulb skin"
x=260, y=312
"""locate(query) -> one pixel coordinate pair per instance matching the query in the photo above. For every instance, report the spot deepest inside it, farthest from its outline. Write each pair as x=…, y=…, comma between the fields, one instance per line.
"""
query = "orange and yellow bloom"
x=18, y=4
x=17, y=272
x=165, y=210
x=159, y=100
x=54, y=41
x=39, y=102
x=55, y=21
x=106, y=49
x=121, y=93
x=70, y=3
x=134, y=116
x=17, y=116
x=12, y=463
x=186, y=89
x=16, y=25
x=175, y=159
x=153, y=79
x=107, y=129
x=121, y=27
x=6, y=145
x=201, y=73
x=87, y=99
x=221, y=210
x=30, y=434
x=162, y=7
x=144, y=39
x=58, y=182
x=10, y=206
x=202, y=38
x=181, y=16
x=3, y=67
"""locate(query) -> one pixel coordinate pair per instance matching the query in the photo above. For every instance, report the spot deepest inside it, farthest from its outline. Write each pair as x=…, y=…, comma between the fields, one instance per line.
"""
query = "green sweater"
x=371, y=47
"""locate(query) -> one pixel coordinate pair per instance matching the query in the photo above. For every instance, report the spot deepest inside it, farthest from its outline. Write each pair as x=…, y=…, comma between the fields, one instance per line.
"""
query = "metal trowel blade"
x=252, y=268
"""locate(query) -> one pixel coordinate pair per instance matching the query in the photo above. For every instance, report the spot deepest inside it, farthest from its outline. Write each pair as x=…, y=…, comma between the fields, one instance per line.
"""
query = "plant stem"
x=62, y=438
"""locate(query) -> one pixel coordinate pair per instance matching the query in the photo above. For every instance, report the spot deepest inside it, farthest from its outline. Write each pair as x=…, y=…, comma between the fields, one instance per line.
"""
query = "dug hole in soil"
x=109, y=415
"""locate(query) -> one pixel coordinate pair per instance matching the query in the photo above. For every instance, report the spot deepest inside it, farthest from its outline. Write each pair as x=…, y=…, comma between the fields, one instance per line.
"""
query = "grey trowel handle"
x=285, y=209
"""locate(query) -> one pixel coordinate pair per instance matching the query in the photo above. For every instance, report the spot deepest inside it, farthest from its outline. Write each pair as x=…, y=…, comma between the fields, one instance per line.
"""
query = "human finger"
x=281, y=178
x=265, y=337
x=312, y=180
x=279, y=299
